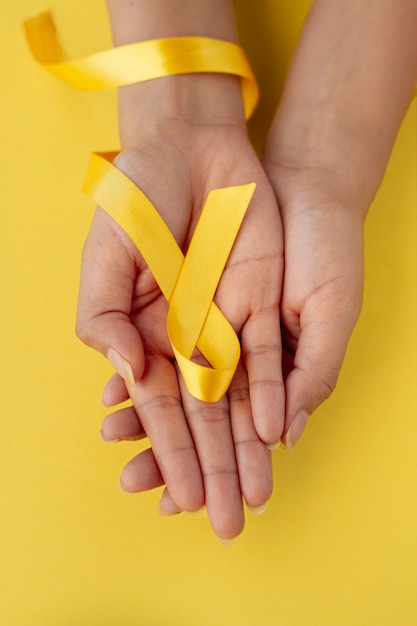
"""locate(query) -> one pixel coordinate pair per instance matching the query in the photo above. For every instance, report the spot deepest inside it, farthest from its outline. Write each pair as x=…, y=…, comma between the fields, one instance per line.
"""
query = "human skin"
x=348, y=88
x=351, y=81
x=181, y=137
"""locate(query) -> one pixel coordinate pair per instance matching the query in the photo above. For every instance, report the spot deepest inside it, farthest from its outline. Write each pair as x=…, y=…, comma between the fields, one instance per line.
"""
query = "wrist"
x=193, y=99
x=335, y=144
x=348, y=88
x=190, y=100
x=141, y=20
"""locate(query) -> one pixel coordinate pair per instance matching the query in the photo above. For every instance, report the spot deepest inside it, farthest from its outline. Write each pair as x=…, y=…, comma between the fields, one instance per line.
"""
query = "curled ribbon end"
x=42, y=38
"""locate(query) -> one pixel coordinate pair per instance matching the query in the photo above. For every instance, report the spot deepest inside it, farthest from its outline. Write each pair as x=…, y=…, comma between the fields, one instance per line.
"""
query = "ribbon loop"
x=203, y=266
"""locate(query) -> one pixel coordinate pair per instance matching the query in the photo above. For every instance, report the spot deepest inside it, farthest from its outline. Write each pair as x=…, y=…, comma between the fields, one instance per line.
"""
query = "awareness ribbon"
x=188, y=283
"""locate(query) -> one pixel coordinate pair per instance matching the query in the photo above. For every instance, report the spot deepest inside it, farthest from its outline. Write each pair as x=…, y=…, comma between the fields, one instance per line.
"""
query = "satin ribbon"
x=142, y=61
x=188, y=283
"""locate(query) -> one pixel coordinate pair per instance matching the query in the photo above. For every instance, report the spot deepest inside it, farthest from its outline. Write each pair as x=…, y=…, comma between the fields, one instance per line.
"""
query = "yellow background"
x=337, y=545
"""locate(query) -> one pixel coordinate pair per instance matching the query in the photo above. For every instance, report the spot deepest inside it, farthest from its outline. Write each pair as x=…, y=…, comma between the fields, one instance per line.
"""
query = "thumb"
x=108, y=275
x=319, y=355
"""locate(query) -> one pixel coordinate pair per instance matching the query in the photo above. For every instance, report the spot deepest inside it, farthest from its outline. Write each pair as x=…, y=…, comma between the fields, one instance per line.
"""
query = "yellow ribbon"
x=187, y=283
x=142, y=61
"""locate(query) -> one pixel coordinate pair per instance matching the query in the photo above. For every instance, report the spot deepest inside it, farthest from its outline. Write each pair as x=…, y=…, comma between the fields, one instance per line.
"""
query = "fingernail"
x=121, y=366
x=106, y=402
x=274, y=446
x=102, y=438
x=296, y=429
x=162, y=511
x=196, y=514
x=123, y=489
x=226, y=542
x=257, y=510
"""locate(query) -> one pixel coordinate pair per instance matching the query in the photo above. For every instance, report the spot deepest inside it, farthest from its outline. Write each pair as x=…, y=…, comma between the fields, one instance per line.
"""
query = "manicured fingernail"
x=257, y=510
x=196, y=514
x=274, y=446
x=226, y=542
x=121, y=366
x=296, y=429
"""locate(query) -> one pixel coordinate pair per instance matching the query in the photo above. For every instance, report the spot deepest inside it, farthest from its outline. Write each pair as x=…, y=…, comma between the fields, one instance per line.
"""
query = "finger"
x=115, y=391
x=108, y=275
x=262, y=353
x=122, y=425
x=211, y=431
x=141, y=473
x=167, y=506
x=252, y=456
x=322, y=343
x=157, y=401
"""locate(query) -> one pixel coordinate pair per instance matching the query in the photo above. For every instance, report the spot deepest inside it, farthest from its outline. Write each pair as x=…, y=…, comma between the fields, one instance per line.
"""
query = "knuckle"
x=174, y=452
x=325, y=382
x=238, y=394
x=252, y=444
x=217, y=471
x=162, y=402
x=266, y=382
x=208, y=414
x=83, y=330
x=262, y=350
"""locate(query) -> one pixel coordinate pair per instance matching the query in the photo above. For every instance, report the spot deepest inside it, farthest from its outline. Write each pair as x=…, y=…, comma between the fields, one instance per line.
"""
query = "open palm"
x=208, y=454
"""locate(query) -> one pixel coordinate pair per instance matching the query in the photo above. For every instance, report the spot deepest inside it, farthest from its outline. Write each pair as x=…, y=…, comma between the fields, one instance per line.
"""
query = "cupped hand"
x=322, y=290
x=208, y=454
